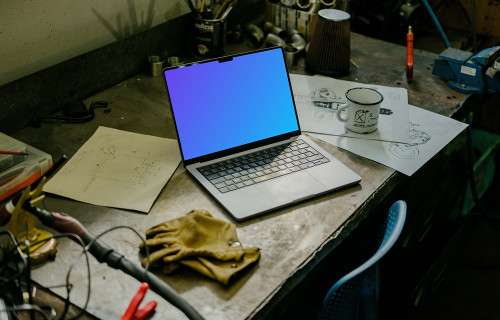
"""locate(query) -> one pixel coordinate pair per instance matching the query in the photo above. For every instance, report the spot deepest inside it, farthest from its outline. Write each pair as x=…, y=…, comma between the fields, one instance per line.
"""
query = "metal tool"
x=468, y=73
x=40, y=243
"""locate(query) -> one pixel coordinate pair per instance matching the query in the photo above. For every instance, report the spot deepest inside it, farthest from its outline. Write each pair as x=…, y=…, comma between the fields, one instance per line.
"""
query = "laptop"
x=240, y=138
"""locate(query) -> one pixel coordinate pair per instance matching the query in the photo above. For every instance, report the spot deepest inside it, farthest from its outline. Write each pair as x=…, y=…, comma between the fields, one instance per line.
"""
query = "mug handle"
x=339, y=110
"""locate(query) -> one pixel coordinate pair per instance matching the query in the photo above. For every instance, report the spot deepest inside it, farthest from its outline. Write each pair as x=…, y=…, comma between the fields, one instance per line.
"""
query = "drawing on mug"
x=364, y=116
x=360, y=116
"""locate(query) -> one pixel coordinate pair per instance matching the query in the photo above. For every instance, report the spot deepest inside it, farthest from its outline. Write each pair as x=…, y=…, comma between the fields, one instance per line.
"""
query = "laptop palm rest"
x=290, y=188
x=271, y=195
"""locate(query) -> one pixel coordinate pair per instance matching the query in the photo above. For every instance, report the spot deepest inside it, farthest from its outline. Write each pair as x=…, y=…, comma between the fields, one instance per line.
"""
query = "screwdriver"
x=409, y=55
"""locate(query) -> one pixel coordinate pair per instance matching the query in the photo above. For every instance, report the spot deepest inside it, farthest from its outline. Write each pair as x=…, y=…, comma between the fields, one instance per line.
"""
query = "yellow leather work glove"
x=196, y=234
x=222, y=271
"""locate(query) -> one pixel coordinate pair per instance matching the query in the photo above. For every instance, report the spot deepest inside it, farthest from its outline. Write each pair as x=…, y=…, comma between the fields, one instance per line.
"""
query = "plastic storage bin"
x=18, y=172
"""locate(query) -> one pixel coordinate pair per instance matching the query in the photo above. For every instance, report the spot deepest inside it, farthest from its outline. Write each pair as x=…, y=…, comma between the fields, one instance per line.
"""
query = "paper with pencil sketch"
x=318, y=98
x=429, y=132
x=118, y=169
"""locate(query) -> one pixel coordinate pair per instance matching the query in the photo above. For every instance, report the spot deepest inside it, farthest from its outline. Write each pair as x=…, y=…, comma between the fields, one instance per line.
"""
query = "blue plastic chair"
x=355, y=295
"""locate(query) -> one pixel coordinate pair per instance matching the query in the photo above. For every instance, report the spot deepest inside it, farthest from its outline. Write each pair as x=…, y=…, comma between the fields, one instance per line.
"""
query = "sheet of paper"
x=429, y=133
x=318, y=98
x=119, y=169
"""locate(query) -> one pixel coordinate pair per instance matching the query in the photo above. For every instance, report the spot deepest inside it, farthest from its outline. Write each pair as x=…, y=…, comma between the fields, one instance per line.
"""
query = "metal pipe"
x=268, y=27
x=273, y=40
x=436, y=23
x=297, y=40
x=255, y=35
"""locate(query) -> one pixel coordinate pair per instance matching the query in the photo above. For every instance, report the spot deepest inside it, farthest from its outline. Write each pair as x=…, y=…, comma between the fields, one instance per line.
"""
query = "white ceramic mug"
x=362, y=109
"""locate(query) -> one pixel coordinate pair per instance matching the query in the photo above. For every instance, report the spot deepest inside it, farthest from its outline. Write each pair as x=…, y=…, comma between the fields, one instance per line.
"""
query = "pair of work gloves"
x=200, y=242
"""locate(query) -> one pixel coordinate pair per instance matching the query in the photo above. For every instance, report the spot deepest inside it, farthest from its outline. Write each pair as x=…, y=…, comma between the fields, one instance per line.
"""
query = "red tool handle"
x=409, y=55
x=132, y=312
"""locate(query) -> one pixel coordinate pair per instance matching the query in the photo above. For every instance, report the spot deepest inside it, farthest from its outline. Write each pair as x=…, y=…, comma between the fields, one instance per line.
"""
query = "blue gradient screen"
x=221, y=105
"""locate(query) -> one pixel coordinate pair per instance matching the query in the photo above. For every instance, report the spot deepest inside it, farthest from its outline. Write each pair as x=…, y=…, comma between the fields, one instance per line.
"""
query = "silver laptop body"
x=240, y=138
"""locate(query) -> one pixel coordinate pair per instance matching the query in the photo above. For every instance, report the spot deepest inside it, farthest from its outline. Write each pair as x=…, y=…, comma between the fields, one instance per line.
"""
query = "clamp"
x=40, y=243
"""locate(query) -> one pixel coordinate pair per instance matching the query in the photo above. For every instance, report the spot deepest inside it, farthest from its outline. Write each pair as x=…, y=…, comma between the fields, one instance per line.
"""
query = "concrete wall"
x=36, y=34
x=56, y=51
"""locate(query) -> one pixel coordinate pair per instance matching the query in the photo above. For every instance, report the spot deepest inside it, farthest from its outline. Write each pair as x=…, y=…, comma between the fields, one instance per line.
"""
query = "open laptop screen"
x=226, y=103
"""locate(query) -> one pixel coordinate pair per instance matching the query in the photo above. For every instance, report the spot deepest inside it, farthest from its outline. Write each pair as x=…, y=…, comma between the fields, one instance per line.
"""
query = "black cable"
x=28, y=277
x=86, y=250
x=4, y=265
x=105, y=254
x=32, y=309
x=21, y=263
x=129, y=228
x=74, y=112
x=68, y=286
x=76, y=109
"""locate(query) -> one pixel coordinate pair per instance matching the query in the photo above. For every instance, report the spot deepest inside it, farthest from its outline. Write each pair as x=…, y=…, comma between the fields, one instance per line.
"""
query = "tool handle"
x=60, y=222
x=145, y=311
x=66, y=224
x=136, y=301
x=409, y=55
x=157, y=285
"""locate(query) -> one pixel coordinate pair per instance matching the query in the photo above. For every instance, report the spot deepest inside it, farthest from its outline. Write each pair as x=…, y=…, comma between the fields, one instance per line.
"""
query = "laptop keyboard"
x=249, y=169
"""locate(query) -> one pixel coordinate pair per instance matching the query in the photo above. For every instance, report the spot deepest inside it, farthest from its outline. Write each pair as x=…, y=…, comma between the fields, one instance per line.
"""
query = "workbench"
x=293, y=241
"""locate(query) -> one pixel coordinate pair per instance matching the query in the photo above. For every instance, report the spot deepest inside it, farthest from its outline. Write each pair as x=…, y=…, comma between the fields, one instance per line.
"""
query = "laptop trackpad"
x=291, y=187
